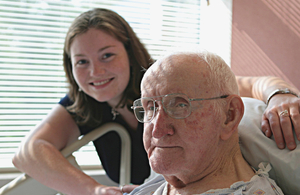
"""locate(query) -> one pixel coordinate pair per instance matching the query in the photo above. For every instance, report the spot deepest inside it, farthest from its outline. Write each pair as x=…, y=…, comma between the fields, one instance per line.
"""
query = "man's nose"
x=162, y=124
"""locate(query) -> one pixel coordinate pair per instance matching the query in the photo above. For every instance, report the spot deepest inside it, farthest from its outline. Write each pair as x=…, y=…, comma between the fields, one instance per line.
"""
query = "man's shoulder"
x=259, y=184
x=262, y=184
x=149, y=187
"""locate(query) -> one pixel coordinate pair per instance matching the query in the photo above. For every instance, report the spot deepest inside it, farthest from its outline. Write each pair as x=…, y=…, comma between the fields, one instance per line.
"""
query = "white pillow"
x=256, y=148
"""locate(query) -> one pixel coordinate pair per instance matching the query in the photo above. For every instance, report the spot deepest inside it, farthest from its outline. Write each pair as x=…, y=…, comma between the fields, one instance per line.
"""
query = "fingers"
x=128, y=188
x=286, y=127
x=295, y=118
x=281, y=118
x=265, y=127
x=108, y=191
x=275, y=128
x=280, y=125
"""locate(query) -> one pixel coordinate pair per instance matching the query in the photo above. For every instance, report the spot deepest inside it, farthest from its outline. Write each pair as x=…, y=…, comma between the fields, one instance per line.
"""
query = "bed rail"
x=125, y=166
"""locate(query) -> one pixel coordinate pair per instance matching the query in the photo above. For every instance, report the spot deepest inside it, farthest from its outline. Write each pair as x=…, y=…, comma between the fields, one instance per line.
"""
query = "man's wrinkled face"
x=180, y=146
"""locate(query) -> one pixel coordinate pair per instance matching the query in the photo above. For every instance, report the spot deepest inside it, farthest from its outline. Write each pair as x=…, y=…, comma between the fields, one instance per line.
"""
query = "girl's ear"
x=234, y=113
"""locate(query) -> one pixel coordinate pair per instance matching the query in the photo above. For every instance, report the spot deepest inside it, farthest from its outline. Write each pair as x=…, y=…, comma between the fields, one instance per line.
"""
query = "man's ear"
x=234, y=111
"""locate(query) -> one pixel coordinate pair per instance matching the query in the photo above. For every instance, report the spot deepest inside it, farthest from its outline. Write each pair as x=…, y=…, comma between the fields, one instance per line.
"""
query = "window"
x=32, y=34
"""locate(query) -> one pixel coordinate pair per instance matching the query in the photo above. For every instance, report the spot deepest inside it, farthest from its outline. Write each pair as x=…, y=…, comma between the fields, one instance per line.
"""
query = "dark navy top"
x=108, y=147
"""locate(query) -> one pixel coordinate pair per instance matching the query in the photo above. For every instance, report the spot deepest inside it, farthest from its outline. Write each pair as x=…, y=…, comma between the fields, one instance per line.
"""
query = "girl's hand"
x=109, y=190
x=281, y=118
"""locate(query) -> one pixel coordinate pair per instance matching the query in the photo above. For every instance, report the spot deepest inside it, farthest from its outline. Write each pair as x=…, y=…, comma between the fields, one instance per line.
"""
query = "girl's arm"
x=270, y=89
x=40, y=157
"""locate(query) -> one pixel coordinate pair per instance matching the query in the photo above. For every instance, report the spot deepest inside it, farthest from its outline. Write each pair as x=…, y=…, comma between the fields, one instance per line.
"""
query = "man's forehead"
x=175, y=72
x=181, y=63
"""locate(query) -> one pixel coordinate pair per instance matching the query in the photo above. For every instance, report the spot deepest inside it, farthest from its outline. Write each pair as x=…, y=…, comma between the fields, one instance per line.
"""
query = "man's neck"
x=230, y=169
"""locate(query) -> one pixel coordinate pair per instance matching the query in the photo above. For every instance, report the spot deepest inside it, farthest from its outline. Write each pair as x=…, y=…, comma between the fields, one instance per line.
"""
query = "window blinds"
x=32, y=34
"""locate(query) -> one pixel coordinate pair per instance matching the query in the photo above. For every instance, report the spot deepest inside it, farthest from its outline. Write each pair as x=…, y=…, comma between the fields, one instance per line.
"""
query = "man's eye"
x=151, y=108
x=177, y=103
x=182, y=105
x=149, y=112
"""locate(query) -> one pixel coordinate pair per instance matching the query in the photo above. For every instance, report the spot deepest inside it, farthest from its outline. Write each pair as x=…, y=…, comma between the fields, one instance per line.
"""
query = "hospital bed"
x=24, y=183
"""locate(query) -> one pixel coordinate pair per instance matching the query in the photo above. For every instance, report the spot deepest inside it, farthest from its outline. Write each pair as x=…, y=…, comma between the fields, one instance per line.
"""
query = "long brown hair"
x=86, y=107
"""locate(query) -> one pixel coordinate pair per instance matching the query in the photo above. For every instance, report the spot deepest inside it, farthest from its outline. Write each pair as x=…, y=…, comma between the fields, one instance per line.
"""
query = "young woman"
x=104, y=62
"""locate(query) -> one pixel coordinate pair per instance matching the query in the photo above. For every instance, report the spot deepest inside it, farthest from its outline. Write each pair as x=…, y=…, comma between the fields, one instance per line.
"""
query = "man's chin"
x=161, y=166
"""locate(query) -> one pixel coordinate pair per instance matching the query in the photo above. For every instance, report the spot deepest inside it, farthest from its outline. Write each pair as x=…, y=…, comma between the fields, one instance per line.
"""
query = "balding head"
x=194, y=70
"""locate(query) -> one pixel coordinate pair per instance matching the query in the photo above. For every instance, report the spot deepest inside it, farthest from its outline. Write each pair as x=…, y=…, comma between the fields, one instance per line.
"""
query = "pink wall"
x=266, y=39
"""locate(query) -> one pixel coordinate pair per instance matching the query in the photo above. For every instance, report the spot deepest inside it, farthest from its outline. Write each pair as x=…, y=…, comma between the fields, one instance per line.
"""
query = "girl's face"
x=100, y=65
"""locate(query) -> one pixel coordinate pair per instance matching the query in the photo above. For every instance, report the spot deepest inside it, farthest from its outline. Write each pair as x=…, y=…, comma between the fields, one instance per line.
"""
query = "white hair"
x=221, y=78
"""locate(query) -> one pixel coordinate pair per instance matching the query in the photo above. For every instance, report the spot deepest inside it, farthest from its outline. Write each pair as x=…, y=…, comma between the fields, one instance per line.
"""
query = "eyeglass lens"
x=176, y=106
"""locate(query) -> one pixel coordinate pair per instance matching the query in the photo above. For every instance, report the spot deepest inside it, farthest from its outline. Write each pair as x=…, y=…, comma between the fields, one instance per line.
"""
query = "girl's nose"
x=97, y=69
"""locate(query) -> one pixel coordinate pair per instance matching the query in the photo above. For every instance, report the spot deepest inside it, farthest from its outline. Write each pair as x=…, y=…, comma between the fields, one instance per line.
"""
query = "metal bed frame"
x=125, y=166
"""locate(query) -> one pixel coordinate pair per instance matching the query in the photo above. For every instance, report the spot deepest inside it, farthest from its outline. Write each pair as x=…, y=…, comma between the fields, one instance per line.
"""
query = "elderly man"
x=191, y=109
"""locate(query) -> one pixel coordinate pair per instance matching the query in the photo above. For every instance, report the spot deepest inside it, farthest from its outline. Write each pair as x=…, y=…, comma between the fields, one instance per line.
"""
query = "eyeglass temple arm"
x=199, y=99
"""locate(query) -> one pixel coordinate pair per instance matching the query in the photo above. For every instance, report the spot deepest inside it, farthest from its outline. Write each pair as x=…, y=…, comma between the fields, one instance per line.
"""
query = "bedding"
x=256, y=148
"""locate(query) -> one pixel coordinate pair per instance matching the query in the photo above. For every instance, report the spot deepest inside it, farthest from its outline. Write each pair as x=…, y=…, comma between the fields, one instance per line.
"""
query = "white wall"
x=215, y=25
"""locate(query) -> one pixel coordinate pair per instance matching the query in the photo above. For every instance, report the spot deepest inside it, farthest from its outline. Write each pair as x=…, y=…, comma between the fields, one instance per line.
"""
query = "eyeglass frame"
x=163, y=96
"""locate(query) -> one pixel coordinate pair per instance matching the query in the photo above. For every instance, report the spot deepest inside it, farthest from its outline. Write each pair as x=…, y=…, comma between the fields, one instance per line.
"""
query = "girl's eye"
x=107, y=55
x=82, y=62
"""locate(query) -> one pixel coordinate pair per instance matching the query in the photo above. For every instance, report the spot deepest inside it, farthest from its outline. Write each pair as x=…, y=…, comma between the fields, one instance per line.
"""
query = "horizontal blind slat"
x=30, y=67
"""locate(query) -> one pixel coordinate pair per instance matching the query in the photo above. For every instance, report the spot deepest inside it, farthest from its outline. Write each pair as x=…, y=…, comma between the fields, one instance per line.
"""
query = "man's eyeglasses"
x=176, y=105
